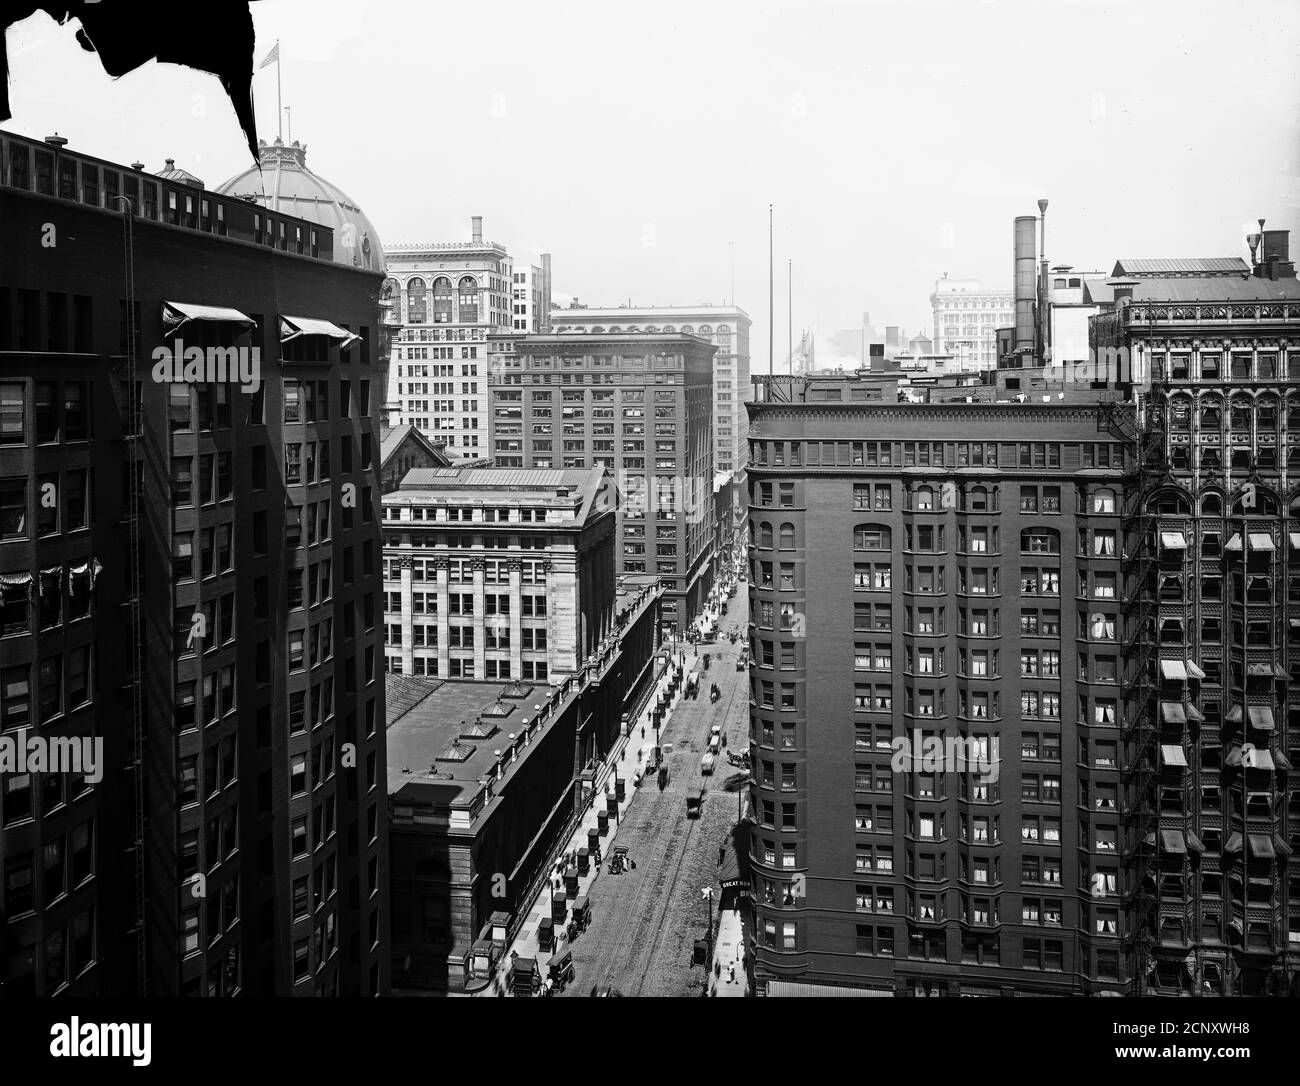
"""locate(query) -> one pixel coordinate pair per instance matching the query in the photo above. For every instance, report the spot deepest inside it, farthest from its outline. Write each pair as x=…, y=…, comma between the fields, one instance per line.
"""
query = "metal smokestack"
x=1024, y=257
x=1045, y=293
x=477, y=223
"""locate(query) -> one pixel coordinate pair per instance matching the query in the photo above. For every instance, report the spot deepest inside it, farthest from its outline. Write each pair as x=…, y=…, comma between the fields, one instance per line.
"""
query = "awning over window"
x=1173, y=541
x=1257, y=758
x=1172, y=755
x=1194, y=671
x=1261, y=716
x=176, y=315
x=1261, y=846
x=1283, y=849
x=1233, y=544
x=1280, y=760
x=293, y=327
x=1172, y=840
x=1193, y=713
x=1173, y=669
x=1194, y=842
x=1295, y=540
x=1234, y=715
x=1233, y=757
x=1172, y=713
x=1233, y=844
x=1260, y=541
x=15, y=580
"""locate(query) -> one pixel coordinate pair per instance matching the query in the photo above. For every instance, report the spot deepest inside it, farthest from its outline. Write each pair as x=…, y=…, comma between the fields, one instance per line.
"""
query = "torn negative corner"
x=224, y=49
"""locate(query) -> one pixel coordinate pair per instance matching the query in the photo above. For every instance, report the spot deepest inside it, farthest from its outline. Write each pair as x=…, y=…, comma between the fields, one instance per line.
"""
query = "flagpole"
x=279, y=104
x=771, y=304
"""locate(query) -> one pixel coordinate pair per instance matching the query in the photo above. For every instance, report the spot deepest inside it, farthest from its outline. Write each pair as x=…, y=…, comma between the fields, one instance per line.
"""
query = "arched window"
x=468, y=310
x=668, y=328
x=765, y=534
x=978, y=499
x=924, y=498
x=1040, y=541
x=1241, y=414
x=688, y=330
x=787, y=536
x=1254, y=501
x=598, y=331
x=871, y=537
x=706, y=330
x=616, y=330
x=442, y=300
x=1212, y=416
x=416, y=303
x=1212, y=506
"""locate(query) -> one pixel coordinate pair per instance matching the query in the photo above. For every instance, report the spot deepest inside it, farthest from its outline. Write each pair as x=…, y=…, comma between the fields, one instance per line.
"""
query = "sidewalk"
x=626, y=759
x=729, y=976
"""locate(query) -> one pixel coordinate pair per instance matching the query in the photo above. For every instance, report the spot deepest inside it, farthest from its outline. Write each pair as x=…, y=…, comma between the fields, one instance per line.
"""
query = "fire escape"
x=135, y=619
x=1142, y=429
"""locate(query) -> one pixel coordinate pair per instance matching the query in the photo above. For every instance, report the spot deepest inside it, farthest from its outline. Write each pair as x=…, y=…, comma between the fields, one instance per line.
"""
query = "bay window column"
x=444, y=625
x=480, y=623
x=404, y=563
x=515, y=566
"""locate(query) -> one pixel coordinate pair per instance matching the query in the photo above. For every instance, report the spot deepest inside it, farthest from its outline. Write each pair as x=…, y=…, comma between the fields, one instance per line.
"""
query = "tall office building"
x=495, y=573
x=923, y=574
x=443, y=300
x=966, y=319
x=726, y=327
x=638, y=406
x=531, y=293
x=190, y=569
x=1212, y=589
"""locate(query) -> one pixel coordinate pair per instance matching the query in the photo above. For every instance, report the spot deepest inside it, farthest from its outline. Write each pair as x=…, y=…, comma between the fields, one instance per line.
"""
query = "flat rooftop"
x=446, y=732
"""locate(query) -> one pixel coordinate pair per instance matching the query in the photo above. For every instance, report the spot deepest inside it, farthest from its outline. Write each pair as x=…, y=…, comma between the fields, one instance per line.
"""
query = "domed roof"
x=284, y=184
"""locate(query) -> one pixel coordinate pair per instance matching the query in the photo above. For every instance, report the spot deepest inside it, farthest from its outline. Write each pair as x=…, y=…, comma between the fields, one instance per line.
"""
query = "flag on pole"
x=273, y=57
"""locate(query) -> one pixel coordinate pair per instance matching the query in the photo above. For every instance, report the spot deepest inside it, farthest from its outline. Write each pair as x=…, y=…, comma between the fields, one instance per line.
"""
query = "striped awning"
x=787, y=988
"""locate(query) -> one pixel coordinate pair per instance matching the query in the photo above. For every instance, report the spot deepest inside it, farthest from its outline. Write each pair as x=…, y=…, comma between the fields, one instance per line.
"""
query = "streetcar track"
x=633, y=946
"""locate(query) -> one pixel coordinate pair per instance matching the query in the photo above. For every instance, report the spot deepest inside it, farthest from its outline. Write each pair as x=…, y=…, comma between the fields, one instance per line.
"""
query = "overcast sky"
x=640, y=143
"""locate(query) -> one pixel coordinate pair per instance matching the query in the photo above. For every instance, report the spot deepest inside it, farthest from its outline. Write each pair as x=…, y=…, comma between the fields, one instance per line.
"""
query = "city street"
x=645, y=922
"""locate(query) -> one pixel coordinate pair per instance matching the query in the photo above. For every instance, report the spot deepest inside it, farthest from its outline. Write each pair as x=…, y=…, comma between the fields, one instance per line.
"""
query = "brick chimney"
x=477, y=223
